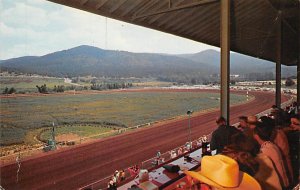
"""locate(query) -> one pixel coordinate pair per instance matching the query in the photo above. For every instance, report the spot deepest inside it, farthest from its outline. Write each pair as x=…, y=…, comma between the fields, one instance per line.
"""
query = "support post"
x=278, y=60
x=298, y=80
x=298, y=65
x=225, y=58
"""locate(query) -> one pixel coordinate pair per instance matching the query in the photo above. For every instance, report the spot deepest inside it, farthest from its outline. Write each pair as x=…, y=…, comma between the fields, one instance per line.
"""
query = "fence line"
x=151, y=163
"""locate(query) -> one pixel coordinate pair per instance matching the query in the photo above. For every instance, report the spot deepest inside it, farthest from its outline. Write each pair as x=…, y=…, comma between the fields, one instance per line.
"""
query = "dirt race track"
x=86, y=163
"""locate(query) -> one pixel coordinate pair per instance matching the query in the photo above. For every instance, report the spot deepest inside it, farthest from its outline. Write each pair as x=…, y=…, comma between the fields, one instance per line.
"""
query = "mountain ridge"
x=88, y=60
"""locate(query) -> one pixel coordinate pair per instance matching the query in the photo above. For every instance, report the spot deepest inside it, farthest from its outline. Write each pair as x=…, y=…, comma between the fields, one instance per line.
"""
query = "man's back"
x=272, y=151
x=221, y=137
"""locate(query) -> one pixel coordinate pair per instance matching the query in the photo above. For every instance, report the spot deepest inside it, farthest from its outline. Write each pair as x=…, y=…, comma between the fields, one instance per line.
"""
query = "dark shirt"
x=294, y=143
x=221, y=137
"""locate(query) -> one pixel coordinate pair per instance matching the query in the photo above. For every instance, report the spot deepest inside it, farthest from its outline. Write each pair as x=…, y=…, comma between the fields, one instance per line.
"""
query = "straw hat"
x=223, y=173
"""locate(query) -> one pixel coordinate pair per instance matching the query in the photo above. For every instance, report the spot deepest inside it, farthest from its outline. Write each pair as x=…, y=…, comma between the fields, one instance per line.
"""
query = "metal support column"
x=298, y=79
x=225, y=58
x=278, y=61
x=298, y=65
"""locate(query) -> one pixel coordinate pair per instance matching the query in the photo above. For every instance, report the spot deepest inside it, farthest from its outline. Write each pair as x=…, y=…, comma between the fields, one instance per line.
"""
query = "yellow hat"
x=223, y=172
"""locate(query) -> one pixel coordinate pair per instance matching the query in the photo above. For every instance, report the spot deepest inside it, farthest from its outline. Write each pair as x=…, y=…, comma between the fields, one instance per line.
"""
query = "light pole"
x=53, y=136
x=189, y=113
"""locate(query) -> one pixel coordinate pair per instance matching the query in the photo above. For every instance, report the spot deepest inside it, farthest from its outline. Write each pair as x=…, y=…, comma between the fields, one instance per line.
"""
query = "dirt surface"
x=83, y=164
x=67, y=137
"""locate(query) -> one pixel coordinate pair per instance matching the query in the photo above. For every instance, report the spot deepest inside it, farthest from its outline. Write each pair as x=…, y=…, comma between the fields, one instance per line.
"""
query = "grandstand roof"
x=254, y=23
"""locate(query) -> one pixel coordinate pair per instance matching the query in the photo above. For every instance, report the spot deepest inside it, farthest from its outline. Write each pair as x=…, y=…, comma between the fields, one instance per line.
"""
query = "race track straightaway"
x=86, y=163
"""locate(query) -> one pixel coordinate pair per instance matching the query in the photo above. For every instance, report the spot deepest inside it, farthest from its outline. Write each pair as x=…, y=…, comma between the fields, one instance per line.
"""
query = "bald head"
x=252, y=121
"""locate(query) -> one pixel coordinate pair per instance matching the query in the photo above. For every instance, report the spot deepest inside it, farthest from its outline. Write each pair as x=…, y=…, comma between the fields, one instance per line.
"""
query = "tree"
x=11, y=90
x=289, y=82
x=5, y=91
x=193, y=81
x=59, y=88
x=42, y=89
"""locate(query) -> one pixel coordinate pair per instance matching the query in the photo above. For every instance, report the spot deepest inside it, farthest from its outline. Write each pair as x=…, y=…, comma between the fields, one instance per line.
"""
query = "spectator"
x=243, y=151
x=279, y=138
x=188, y=146
x=251, y=124
x=263, y=136
x=278, y=115
x=122, y=175
x=158, y=154
x=133, y=170
x=293, y=136
x=267, y=175
x=156, y=161
x=295, y=124
x=173, y=154
x=221, y=136
x=114, y=179
x=252, y=121
x=199, y=143
x=111, y=185
x=180, y=151
x=136, y=168
x=242, y=123
x=117, y=175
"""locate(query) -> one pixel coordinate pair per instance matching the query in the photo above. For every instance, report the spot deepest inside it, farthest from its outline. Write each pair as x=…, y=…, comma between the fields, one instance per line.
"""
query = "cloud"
x=24, y=15
x=35, y=27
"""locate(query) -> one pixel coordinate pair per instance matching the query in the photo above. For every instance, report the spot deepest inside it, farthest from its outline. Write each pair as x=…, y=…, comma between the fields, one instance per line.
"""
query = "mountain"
x=87, y=60
x=239, y=63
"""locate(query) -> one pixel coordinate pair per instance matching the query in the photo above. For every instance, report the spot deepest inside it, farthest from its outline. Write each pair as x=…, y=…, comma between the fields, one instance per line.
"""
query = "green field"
x=125, y=109
x=28, y=83
x=80, y=130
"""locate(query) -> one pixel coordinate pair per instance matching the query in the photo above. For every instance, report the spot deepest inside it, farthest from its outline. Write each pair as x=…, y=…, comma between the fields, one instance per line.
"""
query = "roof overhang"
x=254, y=23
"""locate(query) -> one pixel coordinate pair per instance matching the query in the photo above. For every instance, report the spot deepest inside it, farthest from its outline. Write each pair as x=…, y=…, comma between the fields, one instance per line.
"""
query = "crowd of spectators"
x=134, y=170
x=266, y=148
x=118, y=177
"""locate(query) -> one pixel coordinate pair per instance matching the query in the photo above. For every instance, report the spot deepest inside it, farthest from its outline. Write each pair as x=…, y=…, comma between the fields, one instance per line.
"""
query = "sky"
x=39, y=27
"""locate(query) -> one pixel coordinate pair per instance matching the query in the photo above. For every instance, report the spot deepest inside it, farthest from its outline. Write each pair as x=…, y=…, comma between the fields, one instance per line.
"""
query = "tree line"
x=105, y=86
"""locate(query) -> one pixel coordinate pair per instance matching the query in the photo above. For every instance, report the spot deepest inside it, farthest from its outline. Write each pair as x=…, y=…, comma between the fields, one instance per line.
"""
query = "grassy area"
x=152, y=84
x=24, y=114
x=28, y=83
x=25, y=84
x=80, y=130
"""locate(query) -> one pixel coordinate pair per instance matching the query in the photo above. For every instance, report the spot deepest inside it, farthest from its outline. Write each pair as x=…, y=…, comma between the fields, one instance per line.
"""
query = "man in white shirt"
x=262, y=135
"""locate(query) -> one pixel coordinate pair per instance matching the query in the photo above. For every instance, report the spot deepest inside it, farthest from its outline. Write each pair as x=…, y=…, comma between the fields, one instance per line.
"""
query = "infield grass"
x=21, y=115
